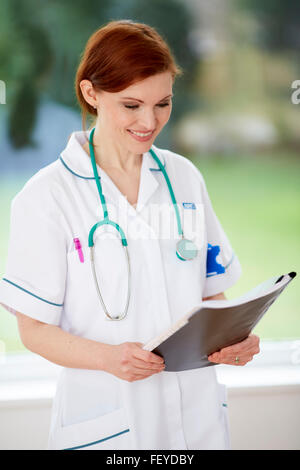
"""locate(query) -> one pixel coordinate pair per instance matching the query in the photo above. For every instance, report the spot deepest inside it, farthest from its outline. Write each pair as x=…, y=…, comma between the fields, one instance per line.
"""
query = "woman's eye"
x=135, y=106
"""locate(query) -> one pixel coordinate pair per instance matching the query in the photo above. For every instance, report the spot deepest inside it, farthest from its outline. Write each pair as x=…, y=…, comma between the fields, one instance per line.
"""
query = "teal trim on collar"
x=92, y=177
x=76, y=174
x=36, y=296
x=158, y=169
x=97, y=442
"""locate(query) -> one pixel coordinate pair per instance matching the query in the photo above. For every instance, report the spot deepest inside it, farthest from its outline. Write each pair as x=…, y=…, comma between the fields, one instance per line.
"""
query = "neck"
x=109, y=155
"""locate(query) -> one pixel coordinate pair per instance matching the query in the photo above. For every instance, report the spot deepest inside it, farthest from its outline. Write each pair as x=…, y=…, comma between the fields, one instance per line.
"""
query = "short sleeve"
x=36, y=266
x=223, y=268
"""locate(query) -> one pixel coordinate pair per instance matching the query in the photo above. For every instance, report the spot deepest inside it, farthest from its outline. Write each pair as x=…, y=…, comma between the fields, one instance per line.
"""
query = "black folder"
x=215, y=324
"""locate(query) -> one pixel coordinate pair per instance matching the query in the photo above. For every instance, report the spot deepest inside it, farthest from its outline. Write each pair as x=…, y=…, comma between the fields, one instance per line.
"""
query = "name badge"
x=189, y=205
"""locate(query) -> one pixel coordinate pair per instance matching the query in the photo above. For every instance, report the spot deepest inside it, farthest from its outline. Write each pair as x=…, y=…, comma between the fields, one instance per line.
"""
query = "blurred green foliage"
x=280, y=22
x=256, y=199
x=41, y=44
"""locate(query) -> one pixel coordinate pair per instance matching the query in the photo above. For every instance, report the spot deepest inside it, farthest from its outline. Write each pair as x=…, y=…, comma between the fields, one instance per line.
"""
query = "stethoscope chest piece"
x=186, y=249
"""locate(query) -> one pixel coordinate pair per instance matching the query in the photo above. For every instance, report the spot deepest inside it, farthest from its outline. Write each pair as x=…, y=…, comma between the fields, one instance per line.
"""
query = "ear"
x=88, y=93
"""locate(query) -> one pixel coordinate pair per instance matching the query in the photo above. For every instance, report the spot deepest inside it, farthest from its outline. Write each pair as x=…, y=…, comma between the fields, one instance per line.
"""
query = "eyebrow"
x=140, y=101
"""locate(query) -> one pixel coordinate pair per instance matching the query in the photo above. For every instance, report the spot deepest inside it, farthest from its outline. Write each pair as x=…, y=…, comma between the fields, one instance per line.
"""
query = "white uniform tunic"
x=46, y=280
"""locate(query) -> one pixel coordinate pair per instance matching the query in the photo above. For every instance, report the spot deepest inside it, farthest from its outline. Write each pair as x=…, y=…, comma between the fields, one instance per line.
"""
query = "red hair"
x=120, y=54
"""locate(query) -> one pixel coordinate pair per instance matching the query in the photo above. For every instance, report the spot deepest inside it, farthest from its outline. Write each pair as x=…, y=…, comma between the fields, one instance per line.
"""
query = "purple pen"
x=79, y=249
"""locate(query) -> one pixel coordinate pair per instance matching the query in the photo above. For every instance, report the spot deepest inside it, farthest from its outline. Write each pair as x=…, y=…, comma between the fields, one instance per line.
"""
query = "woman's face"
x=143, y=107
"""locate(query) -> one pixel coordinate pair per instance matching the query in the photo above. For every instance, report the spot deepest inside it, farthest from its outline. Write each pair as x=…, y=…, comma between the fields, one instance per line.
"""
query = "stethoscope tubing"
x=123, y=315
x=180, y=248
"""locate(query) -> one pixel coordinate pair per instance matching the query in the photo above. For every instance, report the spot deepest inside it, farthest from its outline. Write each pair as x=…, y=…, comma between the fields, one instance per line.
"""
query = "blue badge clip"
x=189, y=205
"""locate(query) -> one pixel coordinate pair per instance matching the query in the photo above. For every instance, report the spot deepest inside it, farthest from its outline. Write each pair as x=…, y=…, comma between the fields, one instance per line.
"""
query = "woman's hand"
x=130, y=362
x=238, y=354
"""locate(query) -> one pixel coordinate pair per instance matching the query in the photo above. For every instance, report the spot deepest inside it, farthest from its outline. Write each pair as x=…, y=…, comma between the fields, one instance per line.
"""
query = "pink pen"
x=78, y=248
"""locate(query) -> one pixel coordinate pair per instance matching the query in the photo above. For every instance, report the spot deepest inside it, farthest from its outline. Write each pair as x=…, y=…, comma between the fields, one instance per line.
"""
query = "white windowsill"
x=28, y=377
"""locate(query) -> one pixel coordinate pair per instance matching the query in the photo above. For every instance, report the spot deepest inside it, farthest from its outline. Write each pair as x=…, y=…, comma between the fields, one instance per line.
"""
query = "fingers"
x=137, y=373
x=248, y=345
x=230, y=360
x=244, y=351
x=148, y=365
x=147, y=361
x=138, y=364
x=147, y=356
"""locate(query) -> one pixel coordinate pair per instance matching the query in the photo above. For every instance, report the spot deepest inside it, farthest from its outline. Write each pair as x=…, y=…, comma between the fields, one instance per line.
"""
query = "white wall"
x=260, y=418
x=265, y=417
x=24, y=424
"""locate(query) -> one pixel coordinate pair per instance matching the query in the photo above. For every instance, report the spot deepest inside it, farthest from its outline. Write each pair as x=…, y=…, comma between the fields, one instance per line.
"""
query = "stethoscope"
x=186, y=250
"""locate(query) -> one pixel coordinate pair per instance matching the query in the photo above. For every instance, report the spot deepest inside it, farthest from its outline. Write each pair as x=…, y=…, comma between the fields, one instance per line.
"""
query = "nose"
x=147, y=120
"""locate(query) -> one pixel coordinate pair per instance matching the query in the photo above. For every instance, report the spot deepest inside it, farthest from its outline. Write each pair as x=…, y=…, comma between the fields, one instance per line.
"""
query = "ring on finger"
x=237, y=360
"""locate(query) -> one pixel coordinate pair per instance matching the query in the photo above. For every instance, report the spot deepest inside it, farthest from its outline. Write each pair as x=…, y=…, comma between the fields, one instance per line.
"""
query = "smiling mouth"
x=141, y=134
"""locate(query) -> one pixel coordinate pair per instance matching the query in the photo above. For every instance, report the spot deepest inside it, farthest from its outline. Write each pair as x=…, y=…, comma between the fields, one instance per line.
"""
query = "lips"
x=142, y=132
x=139, y=138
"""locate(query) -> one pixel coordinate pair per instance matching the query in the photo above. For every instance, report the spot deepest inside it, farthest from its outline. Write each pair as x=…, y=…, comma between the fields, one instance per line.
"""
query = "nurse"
x=86, y=316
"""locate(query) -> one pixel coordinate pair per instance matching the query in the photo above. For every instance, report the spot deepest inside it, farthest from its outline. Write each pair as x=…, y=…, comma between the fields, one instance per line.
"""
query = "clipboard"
x=215, y=324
